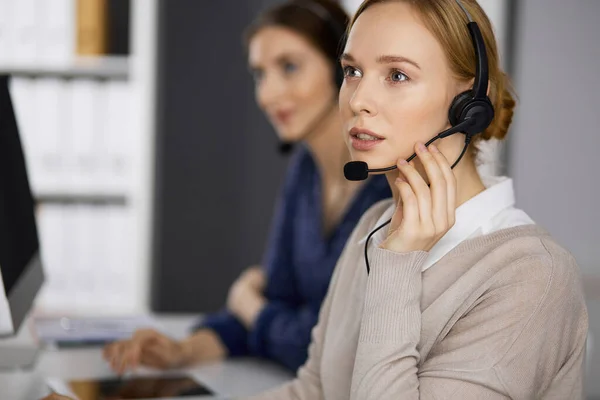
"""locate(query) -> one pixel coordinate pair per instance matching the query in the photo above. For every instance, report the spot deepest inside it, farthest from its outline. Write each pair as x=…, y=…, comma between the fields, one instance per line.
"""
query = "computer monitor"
x=21, y=273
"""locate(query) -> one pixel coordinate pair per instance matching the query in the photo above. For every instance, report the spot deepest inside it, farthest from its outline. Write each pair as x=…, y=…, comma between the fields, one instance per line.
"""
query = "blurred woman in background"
x=271, y=309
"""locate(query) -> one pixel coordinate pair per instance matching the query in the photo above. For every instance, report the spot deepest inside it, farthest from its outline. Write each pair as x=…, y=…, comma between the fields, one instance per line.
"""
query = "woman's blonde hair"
x=448, y=23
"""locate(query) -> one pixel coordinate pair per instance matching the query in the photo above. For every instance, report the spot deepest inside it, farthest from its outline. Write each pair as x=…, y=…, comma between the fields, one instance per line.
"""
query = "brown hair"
x=447, y=22
x=322, y=22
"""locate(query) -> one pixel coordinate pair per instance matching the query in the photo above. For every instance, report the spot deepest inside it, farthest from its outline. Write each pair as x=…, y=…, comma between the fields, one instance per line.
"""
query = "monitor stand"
x=17, y=356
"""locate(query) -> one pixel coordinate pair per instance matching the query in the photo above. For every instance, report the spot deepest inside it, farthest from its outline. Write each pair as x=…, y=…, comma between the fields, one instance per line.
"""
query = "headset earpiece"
x=464, y=106
x=457, y=105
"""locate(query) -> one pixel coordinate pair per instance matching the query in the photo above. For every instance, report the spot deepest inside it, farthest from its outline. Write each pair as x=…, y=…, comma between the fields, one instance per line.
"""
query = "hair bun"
x=505, y=104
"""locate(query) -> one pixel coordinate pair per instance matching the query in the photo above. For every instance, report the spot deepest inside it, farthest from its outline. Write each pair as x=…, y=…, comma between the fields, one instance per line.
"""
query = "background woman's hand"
x=245, y=299
x=424, y=213
x=146, y=347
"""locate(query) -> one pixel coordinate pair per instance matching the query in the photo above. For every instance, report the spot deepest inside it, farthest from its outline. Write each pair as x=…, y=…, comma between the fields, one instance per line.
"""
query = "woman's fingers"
x=425, y=212
x=405, y=221
x=439, y=189
x=116, y=355
x=133, y=358
x=159, y=357
x=122, y=361
x=122, y=355
x=420, y=189
x=410, y=206
x=450, y=181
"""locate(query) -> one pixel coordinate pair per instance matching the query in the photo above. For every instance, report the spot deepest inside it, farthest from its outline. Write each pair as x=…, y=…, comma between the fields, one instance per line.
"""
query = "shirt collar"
x=471, y=216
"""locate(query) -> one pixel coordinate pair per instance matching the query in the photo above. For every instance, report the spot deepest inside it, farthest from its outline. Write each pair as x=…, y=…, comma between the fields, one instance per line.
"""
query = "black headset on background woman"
x=338, y=32
x=471, y=112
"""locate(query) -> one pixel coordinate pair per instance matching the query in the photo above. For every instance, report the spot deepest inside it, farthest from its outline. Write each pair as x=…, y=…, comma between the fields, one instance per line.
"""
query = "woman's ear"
x=464, y=86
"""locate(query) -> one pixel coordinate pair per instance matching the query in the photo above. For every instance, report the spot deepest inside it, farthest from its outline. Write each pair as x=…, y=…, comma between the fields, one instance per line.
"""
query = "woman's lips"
x=283, y=117
x=364, y=139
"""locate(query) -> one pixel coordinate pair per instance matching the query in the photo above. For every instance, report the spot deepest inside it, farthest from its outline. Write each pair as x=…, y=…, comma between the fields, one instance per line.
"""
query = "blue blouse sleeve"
x=277, y=261
x=282, y=329
x=282, y=333
x=231, y=331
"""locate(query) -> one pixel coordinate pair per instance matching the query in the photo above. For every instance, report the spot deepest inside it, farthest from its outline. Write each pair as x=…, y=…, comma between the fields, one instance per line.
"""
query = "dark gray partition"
x=217, y=171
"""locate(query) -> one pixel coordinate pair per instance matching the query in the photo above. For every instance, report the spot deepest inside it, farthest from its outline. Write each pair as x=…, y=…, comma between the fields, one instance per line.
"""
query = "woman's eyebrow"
x=388, y=59
x=383, y=59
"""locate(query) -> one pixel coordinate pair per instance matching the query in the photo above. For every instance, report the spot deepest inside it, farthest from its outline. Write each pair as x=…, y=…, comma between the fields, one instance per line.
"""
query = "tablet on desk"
x=142, y=387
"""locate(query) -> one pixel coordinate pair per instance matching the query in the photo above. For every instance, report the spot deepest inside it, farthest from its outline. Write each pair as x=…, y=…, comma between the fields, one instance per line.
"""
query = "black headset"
x=338, y=30
x=471, y=112
x=474, y=105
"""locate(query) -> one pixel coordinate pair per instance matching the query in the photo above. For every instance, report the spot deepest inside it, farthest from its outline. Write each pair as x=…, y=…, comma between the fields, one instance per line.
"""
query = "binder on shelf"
x=91, y=27
x=23, y=35
x=88, y=253
x=84, y=280
x=97, y=267
x=118, y=135
x=119, y=263
x=56, y=32
x=5, y=31
x=83, y=162
x=53, y=228
x=50, y=115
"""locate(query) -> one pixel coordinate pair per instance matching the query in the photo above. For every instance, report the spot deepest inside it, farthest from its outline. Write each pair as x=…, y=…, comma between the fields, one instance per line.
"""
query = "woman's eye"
x=351, y=72
x=290, y=68
x=397, y=76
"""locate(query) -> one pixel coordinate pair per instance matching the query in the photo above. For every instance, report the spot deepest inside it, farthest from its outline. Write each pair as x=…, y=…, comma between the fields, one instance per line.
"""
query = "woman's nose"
x=271, y=89
x=363, y=100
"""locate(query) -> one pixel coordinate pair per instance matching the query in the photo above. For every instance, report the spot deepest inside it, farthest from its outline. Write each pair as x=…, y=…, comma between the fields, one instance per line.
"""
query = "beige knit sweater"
x=500, y=316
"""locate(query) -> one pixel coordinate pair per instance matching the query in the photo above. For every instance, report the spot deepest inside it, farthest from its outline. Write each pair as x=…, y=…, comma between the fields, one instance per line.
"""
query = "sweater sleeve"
x=386, y=360
x=516, y=320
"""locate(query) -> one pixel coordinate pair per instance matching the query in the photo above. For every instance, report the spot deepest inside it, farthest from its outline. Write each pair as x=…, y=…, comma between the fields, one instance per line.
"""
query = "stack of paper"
x=85, y=331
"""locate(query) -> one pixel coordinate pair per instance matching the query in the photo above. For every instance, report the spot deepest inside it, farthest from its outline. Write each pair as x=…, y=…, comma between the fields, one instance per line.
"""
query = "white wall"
x=553, y=148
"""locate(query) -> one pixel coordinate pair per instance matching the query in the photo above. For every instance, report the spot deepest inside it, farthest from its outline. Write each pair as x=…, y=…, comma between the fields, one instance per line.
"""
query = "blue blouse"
x=298, y=263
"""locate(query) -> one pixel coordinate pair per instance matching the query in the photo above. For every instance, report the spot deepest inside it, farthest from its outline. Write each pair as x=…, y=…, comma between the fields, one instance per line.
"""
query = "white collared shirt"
x=489, y=211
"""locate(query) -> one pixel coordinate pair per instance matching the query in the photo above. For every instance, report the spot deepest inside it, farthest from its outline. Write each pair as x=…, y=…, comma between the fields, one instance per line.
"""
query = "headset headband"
x=480, y=86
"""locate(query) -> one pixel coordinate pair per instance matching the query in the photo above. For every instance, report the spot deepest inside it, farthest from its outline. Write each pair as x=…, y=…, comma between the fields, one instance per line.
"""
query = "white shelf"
x=95, y=215
x=113, y=67
x=81, y=197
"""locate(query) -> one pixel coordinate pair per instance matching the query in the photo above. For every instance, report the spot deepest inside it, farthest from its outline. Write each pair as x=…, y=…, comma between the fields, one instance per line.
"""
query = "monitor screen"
x=18, y=232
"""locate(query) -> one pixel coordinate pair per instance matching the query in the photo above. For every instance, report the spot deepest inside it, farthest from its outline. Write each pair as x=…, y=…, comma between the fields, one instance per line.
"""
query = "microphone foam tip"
x=356, y=171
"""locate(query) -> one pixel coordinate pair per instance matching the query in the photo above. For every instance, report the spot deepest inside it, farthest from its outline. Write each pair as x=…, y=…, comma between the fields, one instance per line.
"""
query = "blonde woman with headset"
x=448, y=291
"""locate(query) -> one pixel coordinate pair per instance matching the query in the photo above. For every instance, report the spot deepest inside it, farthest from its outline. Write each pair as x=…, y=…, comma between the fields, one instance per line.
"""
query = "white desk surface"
x=231, y=378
